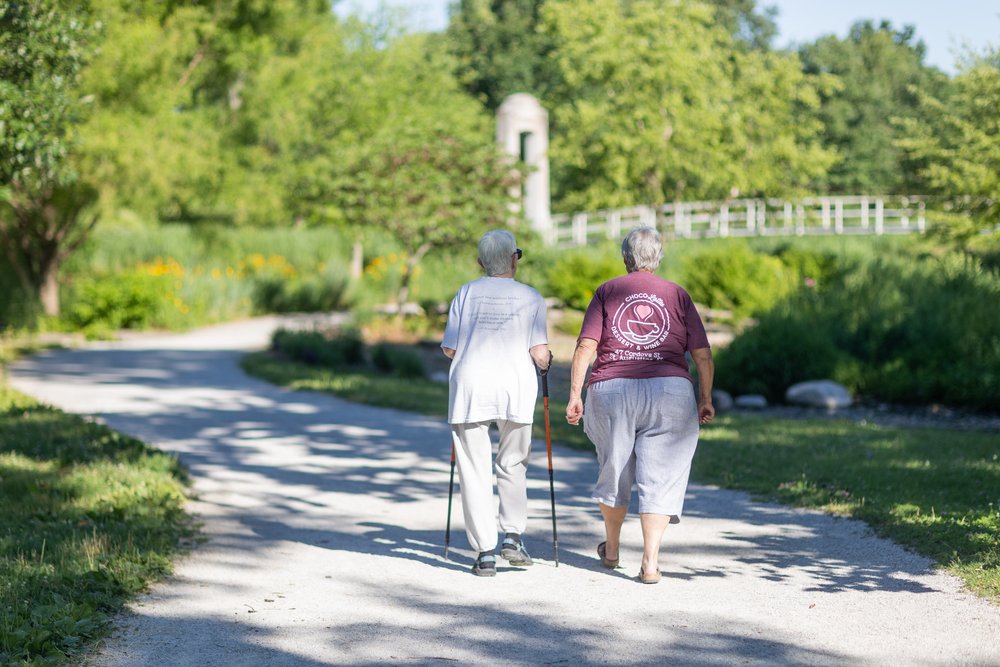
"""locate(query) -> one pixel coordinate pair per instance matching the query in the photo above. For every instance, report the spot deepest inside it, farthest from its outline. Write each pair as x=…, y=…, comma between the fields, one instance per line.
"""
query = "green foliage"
x=569, y=322
x=433, y=177
x=811, y=267
x=397, y=360
x=107, y=303
x=573, y=275
x=319, y=292
x=657, y=105
x=175, y=87
x=876, y=72
x=750, y=25
x=957, y=141
x=318, y=349
x=43, y=47
x=345, y=351
x=782, y=349
x=735, y=278
x=499, y=49
x=90, y=517
x=929, y=489
x=901, y=329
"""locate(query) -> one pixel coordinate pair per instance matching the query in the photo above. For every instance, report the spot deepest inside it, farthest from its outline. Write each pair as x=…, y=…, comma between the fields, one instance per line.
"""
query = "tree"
x=43, y=47
x=879, y=69
x=499, y=49
x=957, y=140
x=658, y=105
x=430, y=192
x=430, y=173
x=173, y=135
x=749, y=25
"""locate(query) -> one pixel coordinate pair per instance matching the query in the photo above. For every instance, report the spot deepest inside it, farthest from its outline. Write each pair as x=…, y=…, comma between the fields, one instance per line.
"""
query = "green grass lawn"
x=933, y=490
x=89, y=518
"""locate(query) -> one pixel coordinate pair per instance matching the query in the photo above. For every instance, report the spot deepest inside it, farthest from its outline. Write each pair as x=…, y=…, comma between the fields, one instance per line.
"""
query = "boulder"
x=752, y=401
x=819, y=394
x=722, y=400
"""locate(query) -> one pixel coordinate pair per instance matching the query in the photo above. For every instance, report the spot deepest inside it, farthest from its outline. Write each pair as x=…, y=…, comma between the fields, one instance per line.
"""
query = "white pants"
x=474, y=458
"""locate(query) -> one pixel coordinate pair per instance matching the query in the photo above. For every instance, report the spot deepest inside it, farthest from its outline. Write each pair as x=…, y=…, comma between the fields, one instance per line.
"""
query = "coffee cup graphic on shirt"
x=641, y=321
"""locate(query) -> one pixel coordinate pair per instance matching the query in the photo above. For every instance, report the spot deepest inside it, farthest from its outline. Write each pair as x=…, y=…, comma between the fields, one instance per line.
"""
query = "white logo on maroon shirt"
x=641, y=322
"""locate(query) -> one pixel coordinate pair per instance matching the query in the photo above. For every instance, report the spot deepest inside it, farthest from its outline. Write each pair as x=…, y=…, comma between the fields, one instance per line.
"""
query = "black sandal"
x=602, y=550
x=485, y=565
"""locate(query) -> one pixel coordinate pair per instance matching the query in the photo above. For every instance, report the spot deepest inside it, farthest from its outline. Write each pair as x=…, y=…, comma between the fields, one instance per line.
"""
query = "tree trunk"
x=357, y=260
x=404, y=280
x=48, y=291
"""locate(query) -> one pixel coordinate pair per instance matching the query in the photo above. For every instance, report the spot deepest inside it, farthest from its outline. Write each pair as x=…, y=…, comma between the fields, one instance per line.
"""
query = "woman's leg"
x=474, y=459
x=614, y=517
x=511, y=470
x=653, y=526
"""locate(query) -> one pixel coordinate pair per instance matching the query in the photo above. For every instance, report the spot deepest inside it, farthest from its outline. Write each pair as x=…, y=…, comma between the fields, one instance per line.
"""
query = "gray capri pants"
x=645, y=431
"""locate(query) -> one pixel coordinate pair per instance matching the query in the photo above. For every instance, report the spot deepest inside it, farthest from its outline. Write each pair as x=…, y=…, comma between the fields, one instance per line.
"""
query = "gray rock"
x=753, y=401
x=722, y=400
x=819, y=394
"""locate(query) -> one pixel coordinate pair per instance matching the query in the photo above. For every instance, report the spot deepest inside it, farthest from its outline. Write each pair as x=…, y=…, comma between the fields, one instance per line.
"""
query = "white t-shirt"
x=492, y=324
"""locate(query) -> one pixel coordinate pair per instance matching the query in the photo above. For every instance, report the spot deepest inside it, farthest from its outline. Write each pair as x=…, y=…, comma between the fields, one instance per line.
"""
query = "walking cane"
x=451, y=490
x=548, y=446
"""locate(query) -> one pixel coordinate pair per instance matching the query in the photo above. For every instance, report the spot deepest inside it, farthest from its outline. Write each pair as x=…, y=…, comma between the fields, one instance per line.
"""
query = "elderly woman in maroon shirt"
x=641, y=413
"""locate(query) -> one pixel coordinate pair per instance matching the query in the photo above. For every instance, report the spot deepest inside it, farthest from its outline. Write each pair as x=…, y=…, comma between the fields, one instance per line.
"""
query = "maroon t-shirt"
x=643, y=325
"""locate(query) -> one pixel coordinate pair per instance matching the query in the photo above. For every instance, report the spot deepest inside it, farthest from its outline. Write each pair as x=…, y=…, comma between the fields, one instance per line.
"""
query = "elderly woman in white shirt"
x=496, y=338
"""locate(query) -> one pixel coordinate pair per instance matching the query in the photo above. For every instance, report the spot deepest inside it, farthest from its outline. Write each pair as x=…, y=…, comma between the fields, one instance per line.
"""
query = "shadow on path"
x=356, y=484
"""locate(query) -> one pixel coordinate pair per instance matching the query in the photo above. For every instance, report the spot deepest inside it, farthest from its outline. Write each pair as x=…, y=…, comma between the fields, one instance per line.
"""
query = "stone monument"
x=523, y=132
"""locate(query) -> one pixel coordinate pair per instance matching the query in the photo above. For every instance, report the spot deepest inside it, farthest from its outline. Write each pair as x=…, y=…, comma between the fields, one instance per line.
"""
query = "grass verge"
x=89, y=518
x=935, y=491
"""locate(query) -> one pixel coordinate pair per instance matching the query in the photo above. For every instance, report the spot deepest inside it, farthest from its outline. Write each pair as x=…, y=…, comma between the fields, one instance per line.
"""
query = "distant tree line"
x=279, y=113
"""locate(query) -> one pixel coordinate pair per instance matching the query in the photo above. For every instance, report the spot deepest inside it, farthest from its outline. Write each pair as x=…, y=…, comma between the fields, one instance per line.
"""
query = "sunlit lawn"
x=935, y=491
x=89, y=517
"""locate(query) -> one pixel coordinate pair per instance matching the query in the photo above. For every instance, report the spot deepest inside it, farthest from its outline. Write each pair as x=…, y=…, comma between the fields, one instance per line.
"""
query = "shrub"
x=315, y=348
x=573, y=276
x=900, y=328
x=322, y=292
x=733, y=277
x=570, y=322
x=785, y=347
x=809, y=267
x=397, y=361
x=127, y=301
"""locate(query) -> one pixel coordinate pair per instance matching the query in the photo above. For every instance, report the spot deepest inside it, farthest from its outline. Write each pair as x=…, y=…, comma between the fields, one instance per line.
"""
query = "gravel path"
x=325, y=524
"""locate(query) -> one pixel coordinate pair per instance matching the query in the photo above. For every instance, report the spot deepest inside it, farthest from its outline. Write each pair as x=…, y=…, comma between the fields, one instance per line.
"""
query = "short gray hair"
x=496, y=248
x=642, y=250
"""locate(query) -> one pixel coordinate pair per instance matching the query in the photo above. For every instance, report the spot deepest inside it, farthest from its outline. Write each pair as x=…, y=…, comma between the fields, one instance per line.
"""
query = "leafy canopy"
x=877, y=70
x=656, y=105
x=957, y=139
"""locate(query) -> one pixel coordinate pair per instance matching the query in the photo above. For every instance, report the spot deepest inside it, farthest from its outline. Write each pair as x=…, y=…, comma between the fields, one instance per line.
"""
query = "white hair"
x=496, y=248
x=642, y=250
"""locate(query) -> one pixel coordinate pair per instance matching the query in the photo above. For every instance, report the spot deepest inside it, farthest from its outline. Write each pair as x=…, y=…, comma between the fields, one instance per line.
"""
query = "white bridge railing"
x=748, y=217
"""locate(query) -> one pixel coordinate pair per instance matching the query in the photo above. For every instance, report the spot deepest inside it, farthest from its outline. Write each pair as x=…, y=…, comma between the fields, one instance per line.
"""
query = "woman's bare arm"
x=706, y=376
x=582, y=357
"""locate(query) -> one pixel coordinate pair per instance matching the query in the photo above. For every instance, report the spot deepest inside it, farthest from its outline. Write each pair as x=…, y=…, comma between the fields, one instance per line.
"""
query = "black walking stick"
x=451, y=490
x=548, y=445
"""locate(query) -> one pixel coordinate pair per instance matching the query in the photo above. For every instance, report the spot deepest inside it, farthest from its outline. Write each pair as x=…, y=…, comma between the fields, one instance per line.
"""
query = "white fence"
x=748, y=217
